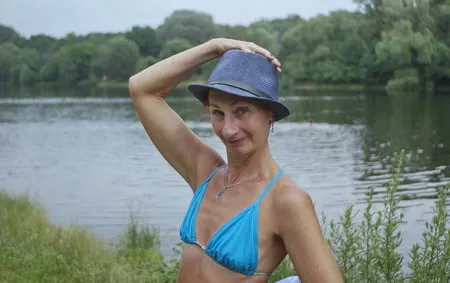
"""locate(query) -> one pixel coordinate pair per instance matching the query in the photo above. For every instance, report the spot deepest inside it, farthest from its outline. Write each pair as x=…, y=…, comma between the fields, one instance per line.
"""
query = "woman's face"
x=243, y=124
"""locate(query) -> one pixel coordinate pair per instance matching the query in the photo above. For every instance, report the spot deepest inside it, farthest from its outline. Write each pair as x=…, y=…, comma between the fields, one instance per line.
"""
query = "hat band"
x=242, y=86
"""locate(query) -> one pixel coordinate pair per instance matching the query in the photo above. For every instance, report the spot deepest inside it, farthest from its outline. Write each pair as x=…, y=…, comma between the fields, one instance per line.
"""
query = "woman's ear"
x=272, y=117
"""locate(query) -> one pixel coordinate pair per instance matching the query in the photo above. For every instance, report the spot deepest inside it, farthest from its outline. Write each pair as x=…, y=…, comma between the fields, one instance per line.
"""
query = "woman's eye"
x=242, y=110
x=217, y=113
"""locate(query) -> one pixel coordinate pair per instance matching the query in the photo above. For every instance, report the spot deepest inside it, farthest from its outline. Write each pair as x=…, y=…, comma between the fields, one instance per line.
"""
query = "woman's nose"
x=230, y=127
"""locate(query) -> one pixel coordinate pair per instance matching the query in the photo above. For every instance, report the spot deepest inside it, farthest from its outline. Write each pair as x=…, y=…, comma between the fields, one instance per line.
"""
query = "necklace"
x=226, y=187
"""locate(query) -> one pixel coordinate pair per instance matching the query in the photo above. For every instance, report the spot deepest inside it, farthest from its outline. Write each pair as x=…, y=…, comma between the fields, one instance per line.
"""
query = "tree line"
x=401, y=44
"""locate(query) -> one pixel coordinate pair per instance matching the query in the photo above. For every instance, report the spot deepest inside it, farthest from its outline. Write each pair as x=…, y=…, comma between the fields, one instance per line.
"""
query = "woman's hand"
x=222, y=45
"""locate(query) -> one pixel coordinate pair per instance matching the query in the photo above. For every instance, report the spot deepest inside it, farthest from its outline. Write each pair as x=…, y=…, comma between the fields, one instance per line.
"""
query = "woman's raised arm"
x=185, y=152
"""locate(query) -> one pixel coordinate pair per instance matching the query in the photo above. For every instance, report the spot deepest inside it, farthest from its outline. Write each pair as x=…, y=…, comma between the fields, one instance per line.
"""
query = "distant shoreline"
x=305, y=86
x=122, y=85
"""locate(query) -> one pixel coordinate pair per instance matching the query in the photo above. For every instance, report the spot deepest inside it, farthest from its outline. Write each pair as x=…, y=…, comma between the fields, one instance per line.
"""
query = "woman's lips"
x=236, y=141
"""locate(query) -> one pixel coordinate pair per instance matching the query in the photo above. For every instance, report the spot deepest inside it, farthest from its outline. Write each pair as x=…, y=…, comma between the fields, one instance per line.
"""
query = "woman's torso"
x=197, y=266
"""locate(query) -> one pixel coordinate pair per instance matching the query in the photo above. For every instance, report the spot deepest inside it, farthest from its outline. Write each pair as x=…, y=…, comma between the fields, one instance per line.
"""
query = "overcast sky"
x=59, y=17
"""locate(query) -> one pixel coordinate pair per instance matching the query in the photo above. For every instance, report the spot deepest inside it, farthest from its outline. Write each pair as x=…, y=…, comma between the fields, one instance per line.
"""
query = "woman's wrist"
x=211, y=48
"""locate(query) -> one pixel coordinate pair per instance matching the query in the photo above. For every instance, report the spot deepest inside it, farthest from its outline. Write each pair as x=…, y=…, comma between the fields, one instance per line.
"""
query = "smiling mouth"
x=234, y=142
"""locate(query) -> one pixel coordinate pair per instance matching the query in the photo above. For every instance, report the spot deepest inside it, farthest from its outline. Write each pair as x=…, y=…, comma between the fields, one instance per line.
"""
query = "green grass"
x=34, y=250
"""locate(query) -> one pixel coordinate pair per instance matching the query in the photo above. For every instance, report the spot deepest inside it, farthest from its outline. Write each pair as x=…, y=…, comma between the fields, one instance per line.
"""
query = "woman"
x=246, y=214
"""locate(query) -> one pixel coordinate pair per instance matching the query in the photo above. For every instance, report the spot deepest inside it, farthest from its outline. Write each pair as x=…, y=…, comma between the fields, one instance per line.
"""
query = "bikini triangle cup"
x=235, y=244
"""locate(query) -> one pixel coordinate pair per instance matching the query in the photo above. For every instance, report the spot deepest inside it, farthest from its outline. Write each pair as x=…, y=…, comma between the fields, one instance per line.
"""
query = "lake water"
x=86, y=158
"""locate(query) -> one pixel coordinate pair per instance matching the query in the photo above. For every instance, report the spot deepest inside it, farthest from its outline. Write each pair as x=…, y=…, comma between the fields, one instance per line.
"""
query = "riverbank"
x=35, y=250
x=299, y=87
x=121, y=84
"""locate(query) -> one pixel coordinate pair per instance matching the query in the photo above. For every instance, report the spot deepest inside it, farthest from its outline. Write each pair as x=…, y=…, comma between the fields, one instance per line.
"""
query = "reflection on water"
x=88, y=160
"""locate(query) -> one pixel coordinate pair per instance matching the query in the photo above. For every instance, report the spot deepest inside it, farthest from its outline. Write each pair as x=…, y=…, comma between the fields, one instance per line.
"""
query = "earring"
x=271, y=123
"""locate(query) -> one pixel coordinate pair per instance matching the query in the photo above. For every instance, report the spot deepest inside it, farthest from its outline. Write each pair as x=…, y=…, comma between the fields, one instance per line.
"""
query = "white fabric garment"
x=292, y=279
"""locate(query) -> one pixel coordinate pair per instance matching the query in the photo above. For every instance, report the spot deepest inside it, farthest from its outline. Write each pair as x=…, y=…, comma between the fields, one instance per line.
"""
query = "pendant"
x=219, y=194
x=222, y=191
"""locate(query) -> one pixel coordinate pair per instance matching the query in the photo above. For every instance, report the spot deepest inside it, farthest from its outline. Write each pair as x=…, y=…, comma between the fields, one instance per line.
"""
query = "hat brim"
x=200, y=91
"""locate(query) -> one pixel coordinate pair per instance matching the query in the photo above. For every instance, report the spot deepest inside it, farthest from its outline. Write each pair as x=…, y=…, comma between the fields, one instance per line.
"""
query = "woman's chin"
x=241, y=147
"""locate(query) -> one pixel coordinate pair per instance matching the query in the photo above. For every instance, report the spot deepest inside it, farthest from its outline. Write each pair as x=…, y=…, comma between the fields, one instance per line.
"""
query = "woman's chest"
x=234, y=209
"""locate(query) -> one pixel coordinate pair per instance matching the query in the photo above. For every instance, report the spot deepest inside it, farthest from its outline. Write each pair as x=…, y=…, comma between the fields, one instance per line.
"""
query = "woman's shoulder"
x=292, y=208
x=290, y=198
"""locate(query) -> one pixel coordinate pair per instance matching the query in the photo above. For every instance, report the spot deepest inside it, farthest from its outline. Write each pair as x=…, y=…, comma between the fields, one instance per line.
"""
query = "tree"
x=32, y=58
x=9, y=58
x=261, y=33
x=27, y=76
x=324, y=49
x=50, y=71
x=117, y=58
x=369, y=6
x=402, y=48
x=147, y=40
x=238, y=32
x=70, y=39
x=195, y=27
x=264, y=36
x=174, y=46
x=75, y=63
x=440, y=12
x=8, y=34
x=41, y=42
x=145, y=62
x=281, y=26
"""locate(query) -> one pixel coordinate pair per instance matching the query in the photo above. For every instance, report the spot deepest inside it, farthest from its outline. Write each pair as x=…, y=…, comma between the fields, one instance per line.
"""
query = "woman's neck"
x=258, y=164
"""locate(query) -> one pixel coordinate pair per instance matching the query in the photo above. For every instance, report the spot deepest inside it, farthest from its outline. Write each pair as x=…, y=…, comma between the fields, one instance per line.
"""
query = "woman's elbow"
x=133, y=85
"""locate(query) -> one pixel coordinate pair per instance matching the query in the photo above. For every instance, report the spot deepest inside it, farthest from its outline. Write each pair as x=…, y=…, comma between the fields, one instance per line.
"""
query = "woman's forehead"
x=225, y=97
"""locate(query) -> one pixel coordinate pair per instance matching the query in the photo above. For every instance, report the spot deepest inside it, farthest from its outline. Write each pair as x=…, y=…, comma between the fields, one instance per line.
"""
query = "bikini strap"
x=201, y=188
x=214, y=172
x=269, y=185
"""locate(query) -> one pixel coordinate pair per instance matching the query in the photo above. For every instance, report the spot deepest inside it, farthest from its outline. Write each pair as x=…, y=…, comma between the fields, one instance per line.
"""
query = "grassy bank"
x=35, y=250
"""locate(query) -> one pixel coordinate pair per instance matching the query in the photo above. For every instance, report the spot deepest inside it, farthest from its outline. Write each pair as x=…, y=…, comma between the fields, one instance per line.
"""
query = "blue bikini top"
x=235, y=244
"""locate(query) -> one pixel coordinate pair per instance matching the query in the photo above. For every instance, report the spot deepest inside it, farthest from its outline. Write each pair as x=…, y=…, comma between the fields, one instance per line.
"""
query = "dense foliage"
x=404, y=45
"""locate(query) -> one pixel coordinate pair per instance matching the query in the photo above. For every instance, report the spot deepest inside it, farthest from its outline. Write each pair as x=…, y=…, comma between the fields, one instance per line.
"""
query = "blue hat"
x=245, y=74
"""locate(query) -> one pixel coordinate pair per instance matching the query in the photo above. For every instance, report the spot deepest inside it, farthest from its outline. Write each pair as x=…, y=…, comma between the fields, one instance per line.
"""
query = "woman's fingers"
x=266, y=53
x=276, y=62
x=245, y=47
x=260, y=50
